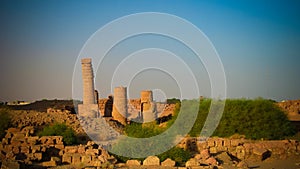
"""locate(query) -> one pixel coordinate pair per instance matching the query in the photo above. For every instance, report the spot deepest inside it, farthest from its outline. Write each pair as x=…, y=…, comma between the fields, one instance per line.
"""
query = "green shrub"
x=179, y=155
x=4, y=122
x=255, y=119
x=202, y=114
x=62, y=129
x=173, y=101
x=140, y=130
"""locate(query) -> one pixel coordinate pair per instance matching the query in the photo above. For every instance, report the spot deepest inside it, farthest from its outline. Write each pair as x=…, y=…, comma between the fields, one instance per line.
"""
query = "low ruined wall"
x=23, y=118
x=243, y=148
x=48, y=151
x=134, y=106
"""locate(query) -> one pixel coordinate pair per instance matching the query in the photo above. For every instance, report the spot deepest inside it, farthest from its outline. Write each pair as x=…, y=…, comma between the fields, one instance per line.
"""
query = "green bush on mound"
x=4, y=122
x=58, y=129
x=139, y=130
x=256, y=119
x=179, y=155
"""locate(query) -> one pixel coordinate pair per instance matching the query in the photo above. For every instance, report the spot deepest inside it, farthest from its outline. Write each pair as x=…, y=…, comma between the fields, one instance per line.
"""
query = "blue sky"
x=257, y=41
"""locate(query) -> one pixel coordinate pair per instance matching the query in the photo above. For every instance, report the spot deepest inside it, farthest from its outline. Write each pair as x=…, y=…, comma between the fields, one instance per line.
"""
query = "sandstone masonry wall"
x=47, y=151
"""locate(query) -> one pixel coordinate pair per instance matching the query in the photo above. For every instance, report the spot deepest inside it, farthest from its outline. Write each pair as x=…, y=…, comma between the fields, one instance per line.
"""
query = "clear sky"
x=258, y=42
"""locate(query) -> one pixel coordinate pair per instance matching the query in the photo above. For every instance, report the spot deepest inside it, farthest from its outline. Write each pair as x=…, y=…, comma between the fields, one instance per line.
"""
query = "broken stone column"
x=89, y=108
x=96, y=96
x=146, y=98
x=119, y=112
x=148, y=107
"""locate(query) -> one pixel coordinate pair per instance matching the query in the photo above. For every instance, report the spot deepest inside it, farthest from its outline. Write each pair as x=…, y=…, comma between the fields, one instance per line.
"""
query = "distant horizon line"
x=65, y=99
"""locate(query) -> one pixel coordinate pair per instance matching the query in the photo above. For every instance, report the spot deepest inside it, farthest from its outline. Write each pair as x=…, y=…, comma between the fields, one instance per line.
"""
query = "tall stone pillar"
x=119, y=112
x=89, y=108
x=148, y=107
x=88, y=81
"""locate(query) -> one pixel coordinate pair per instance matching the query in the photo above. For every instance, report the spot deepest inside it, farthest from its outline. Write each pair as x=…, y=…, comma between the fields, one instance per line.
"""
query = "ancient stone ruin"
x=117, y=107
x=89, y=108
x=119, y=112
x=148, y=107
x=19, y=149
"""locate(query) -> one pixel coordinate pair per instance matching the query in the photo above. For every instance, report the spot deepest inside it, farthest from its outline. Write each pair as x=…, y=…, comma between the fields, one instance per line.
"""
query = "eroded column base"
x=88, y=110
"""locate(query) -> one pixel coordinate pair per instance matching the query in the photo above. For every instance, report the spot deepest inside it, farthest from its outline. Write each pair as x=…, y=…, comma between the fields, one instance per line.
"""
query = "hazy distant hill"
x=43, y=105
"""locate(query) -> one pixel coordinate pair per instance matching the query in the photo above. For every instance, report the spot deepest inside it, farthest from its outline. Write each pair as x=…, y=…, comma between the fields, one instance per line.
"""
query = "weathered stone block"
x=224, y=158
x=211, y=161
x=67, y=158
x=232, y=151
x=49, y=163
x=151, y=160
x=35, y=148
x=32, y=140
x=86, y=158
x=10, y=155
x=58, y=140
x=248, y=148
x=120, y=165
x=242, y=164
x=219, y=142
x=213, y=150
x=17, y=143
x=25, y=149
x=88, y=110
x=10, y=164
x=210, y=142
x=133, y=163
x=71, y=149
x=38, y=156
x=102, y=159
x=8, y=135
x=16, y=150
x=204, y=154
x=81, y=149
x=28, y=130
x=13, y=130
x=278, y=150
x=236, y=142
x=201, y=145
x=92, y=151
x=96, y=163
x=43, y=148
x=192, y=162
x=30, y=156
x=59, y=146
x=168, y=162
x=8, y=148
x=18, y=137
x=47, y=140
x=5, y=141
x=43, y=139
x=61, y=152
x=226, y=143
x=76, y=158
x=240, y=152
x=262, y=153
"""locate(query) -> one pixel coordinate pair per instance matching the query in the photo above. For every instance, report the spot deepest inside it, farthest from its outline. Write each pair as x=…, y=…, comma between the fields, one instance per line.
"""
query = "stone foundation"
x=88, y=110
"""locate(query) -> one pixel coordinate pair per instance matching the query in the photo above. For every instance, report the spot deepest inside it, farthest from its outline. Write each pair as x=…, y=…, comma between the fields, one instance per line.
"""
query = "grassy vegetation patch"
x=60, y=129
